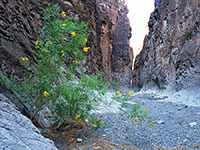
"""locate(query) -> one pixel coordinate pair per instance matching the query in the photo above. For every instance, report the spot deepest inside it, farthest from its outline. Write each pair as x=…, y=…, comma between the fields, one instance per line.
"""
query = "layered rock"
x=109, y=36
x=18, y=30
x=17, y=131
x=170, y=57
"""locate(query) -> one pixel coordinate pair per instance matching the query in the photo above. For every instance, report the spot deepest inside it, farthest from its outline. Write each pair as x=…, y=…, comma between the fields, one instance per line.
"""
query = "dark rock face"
x=18, y=31
x=109, y=37
x=170, y=57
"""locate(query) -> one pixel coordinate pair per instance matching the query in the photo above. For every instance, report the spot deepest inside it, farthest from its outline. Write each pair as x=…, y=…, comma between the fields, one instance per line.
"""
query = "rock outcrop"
x=17, y=131
x=19, y=28
x=170, y=57
x=109, y=35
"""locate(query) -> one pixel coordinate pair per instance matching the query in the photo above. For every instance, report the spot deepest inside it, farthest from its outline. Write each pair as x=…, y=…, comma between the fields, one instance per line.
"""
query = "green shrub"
x=59, y=81
x=134, y=113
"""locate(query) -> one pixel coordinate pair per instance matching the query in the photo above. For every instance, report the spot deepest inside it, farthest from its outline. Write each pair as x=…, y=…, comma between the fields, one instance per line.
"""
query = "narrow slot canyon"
x=99, y=74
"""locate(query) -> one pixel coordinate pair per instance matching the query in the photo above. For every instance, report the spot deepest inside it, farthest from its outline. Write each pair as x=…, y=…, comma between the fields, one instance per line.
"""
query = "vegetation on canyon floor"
x=58, y=80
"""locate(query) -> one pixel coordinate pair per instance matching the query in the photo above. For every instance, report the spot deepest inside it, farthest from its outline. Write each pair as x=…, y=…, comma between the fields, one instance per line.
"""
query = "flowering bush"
x=59, y=81
x=134, y=113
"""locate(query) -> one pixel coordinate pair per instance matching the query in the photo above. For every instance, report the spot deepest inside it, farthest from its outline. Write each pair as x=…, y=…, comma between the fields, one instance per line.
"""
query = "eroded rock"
x=170, y=57
x=17, y=131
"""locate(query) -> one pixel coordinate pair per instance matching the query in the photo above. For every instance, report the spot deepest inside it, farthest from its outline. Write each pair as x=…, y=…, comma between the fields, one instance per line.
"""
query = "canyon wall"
x=109, y=35
x=170, y=57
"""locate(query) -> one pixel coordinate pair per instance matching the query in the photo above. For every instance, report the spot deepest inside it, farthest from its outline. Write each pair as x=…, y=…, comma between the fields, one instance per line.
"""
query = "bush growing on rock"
x=59, y=81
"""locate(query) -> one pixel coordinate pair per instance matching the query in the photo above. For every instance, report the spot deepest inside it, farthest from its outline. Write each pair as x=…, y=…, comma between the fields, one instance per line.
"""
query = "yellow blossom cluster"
x=90, y=100
x=136, y=119
x=48, y=43
x=46, y=93
x=94, y=125
x=36, y=42
x=85, y=41
x=77, y=117
x=118, y=92
x=150, y=124
x=86, y=49
x=45, y=50
x=63, y=14
x=64, y=24
x=130, y=93
x=63, y=54
x=24, y=58
x=75, y=61
x=73, y=33
x=64, y=39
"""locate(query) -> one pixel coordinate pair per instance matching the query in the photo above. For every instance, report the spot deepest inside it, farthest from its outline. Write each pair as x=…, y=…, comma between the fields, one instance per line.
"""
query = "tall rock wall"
x=170, y=57
x=109, y=35
x=109, y=38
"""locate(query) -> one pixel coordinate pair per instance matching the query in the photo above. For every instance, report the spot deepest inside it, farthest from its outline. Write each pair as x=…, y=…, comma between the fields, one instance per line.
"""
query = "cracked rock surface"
x=17, y=132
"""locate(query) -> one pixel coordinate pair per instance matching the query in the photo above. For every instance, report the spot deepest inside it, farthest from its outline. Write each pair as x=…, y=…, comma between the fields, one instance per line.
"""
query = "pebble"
x=143, y=102
x=79, y=140
x=160, y=122
x=192, y=124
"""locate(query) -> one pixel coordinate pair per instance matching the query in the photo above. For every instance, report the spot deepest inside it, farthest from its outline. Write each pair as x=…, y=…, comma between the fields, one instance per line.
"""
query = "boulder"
x=17, y=131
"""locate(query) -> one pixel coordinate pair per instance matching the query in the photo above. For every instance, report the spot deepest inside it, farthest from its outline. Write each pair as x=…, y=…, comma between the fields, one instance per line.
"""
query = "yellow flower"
x=79, y=120
x=64, y=24
x=46, y=93
x=77, y=117
x=150, y=124
x=130, y=93
x=26, y=58
x=62, y=51
x=22, y=58
x=76, y=62
x=63, y=14
x=48, y=43
x=36, y=42
x=44, y=50
x=90, y=100
x=101, y=99
x=72, y=76
x=64, y=39
x=86, y=49
x=73, y=61
x=73, y=33
x=63, y=54
x=135, y=120
x=118, y=92
x=94, y=125
x=85, y=41
x=102, y=122
x=145, y=110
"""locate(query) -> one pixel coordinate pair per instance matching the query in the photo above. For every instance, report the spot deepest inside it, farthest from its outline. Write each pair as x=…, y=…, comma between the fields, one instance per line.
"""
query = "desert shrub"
x=59, y=81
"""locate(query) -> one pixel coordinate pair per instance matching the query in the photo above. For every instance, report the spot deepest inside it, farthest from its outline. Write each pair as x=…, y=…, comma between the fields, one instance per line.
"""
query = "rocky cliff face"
x=18, y=30
x=109, y=38
x=109, y=35
x=170, y=57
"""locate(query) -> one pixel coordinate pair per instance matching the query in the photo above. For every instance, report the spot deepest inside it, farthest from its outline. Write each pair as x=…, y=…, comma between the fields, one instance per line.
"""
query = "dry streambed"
x=176, y=126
